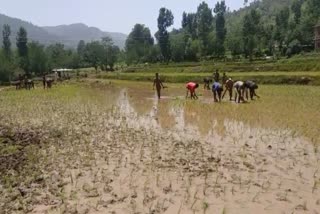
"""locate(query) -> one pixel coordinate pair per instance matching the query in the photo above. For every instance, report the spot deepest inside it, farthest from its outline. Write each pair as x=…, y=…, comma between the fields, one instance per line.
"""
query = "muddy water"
x=177, y=156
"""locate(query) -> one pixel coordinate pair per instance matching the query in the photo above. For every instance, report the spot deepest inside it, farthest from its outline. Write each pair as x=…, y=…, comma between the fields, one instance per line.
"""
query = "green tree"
x=220, y=10
x=192, y=50
x=281, y=30
x=250, y=31
x=6, y=42
x=189, y=25
x=81, y=49
x=296, y=9
x=204, y=26
x=94, y=54
x=22, y=41
x=184, y=22
x=165, y=20
x=37, y=58
x=177, y=45
x=5, y=68
x=139, y=44
x=57, y=56
x=111, y=53
x=309, y=18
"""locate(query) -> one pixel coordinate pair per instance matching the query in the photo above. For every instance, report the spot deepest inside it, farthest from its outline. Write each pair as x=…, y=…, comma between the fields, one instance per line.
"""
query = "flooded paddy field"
x=112, y=147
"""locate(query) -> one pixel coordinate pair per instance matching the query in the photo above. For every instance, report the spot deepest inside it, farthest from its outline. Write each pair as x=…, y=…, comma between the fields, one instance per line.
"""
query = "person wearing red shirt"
x=191, y=86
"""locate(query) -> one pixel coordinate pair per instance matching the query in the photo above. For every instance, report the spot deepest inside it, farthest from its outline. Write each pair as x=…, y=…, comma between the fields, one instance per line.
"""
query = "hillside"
x=34, y=32
x=75, y=32
x=267, y=8
x=69, y=35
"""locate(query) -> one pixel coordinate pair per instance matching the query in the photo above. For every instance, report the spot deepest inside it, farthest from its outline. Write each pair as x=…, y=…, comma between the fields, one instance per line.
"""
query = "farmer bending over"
x=158, y=83
x=252, y=86
x=239, y=87
x=217, y=91
x=229, y=88
x=191, y=86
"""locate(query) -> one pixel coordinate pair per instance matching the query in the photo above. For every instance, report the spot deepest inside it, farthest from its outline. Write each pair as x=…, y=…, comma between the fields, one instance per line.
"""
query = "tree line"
x=34, y=59
x=216, y=33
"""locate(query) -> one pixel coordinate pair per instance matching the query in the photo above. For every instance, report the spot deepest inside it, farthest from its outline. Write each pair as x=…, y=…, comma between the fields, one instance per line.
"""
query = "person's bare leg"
x=224, y=93
x=219, y=95
x=236, y=95
x=159, y=93
x=215, y=96
x=251, y=94
x=247, y=96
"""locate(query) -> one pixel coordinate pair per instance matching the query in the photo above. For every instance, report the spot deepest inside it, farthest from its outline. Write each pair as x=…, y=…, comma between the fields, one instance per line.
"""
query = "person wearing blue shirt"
x=217, y=91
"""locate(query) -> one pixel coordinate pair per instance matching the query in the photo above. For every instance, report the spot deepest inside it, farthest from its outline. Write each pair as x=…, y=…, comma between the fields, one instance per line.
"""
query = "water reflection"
x=144, y=109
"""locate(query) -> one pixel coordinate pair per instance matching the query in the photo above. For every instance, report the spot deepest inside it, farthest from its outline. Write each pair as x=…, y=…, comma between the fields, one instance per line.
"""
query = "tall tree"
x=189, y=25
x=281, y=31
x=58, y=55
x=184, y=22
x=204, y=24
x=165, y=20
x=220, y=10
x=309, y=18
x=37, y=58
x=296, y=9
x=139, y=44
x=6, y=42
x=249, y=32
x=110, y=53
x=94, y=54
x=81, y=48
x=177, y=45
x=22, y=40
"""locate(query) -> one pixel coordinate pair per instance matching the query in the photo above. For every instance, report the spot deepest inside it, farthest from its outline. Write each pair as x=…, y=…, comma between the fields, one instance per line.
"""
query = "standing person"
x=206, y=83
x=229, y=87
x=239, y=87
x=217, y=91
x=44, y=81
x=216, y=76
x=251, y=86
x=158, y=83
x=224, y=78
x=191, y=86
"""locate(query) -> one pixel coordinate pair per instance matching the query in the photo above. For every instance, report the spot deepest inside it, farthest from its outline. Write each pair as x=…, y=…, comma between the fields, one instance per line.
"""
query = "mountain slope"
x=34, y=32
x=79, y=31
x=69, y=35
x=267, y=8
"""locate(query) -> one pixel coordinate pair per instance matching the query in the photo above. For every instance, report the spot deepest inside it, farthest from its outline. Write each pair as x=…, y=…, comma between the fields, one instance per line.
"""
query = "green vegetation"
x=213, y=38
x=264, y=28
x=301, y=69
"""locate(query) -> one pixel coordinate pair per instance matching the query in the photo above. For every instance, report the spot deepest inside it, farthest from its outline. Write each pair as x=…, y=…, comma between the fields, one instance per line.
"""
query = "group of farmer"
x=23, y=82
x=242, y=88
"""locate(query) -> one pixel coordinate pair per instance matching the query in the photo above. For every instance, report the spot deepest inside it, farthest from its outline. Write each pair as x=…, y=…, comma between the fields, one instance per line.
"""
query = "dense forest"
x=263, y=28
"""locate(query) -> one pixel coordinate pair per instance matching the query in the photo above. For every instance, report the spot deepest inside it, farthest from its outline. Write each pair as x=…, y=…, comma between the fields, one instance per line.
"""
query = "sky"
x=108, y=15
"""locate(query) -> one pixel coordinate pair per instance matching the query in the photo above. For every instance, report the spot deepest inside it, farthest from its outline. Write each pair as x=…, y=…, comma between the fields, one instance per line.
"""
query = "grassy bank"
x=303, y=78
x=299, y=70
